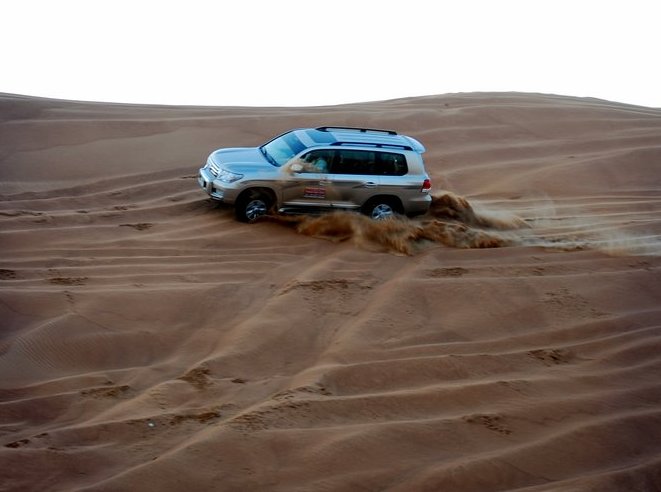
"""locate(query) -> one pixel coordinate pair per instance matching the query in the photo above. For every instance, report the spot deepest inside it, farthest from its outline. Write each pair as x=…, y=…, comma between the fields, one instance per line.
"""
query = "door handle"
x=369, y=184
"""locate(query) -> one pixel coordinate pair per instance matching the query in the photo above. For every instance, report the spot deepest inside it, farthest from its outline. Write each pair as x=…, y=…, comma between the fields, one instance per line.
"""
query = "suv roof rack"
x=355, y=129
x=371, y=144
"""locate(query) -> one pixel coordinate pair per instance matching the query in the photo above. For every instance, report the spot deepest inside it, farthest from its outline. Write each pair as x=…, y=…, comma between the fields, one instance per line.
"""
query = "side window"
x=317, y=161
x=354, y=162
x=391, y=164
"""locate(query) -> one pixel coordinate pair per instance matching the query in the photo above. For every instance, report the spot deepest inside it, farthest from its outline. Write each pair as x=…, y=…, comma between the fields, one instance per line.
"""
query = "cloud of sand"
x=613, y=241
x=451, y=221
x=571, y=230
x=454, y=222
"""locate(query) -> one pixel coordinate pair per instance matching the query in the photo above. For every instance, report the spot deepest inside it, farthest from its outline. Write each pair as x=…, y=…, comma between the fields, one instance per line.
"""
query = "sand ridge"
x=151, y=342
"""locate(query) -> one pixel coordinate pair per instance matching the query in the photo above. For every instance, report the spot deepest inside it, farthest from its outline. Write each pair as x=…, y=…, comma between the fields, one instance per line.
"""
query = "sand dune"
x=150, y=342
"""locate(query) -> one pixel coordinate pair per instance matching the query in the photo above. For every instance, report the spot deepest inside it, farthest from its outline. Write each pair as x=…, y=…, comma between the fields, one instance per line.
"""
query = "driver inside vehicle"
x=317, y=162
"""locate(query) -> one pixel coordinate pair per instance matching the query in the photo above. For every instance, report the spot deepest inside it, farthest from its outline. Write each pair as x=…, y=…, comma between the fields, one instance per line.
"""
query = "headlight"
x=228, y=177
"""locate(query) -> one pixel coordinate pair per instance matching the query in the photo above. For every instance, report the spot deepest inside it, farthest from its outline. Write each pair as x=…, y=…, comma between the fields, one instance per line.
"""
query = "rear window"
x=391, y=164
x=368, y=162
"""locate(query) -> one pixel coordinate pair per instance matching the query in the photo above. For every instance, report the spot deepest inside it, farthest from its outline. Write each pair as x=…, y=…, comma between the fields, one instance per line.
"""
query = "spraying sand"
x=451, y=221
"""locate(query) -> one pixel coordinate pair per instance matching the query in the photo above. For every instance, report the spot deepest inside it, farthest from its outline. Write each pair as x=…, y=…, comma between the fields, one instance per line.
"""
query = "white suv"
x=377, y=172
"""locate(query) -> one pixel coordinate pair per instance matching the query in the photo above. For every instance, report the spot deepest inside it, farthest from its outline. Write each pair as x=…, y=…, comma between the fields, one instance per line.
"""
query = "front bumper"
x=214, y=189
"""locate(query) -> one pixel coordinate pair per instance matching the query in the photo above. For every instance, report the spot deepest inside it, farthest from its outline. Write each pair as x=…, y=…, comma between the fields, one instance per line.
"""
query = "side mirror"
x=296, y=167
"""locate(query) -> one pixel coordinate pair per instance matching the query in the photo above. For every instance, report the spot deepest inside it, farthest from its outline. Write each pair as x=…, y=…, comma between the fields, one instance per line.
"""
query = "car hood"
x=240, y=159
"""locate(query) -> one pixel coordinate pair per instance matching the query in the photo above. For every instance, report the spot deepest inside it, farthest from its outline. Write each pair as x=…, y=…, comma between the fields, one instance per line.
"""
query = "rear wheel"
x=381, y=208
x=251, y=205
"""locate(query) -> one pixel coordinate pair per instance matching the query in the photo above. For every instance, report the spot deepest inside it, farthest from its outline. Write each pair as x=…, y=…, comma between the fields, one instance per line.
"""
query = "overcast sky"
x=308, y=52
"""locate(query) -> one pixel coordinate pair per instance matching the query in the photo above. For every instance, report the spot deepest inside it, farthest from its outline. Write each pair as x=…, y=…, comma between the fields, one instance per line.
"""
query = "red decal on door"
x=314, y=192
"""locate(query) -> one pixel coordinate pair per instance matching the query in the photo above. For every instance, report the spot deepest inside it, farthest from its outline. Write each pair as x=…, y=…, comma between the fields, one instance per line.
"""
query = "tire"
x=251, y=205
x=381, y=208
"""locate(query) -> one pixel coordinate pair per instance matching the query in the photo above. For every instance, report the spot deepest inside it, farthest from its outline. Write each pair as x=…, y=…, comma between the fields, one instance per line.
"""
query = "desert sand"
x=149, y=342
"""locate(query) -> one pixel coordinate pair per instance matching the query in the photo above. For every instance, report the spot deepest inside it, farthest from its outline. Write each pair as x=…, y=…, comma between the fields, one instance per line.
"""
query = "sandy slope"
x=150, y=342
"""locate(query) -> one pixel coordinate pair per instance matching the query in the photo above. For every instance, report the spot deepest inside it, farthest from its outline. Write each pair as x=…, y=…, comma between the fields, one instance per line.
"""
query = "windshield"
x=279, y=150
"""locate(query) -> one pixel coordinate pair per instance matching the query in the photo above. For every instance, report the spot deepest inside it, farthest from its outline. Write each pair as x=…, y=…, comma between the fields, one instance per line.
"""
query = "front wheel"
x=380, y=209
x=252, y=205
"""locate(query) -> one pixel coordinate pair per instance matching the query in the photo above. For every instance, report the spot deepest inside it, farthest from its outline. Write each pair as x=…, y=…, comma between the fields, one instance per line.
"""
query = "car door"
x=392, y=168
x=351, y=178
x=304, y=181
